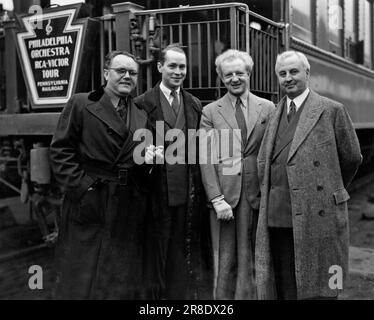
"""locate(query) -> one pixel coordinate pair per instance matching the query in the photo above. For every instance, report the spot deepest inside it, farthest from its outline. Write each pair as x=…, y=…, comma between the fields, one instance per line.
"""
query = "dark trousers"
x=282, y=251
x=176, y=273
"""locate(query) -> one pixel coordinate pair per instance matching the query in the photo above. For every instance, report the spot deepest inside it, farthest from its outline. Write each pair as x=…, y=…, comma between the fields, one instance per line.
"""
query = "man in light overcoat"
x=308, y=157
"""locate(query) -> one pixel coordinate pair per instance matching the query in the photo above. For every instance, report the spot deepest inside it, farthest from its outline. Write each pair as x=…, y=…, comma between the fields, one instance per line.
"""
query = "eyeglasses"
x=122, y=72
x=229, y=76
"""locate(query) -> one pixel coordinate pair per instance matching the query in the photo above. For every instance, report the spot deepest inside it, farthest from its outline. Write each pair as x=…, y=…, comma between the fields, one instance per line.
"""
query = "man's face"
x=235, y=76
x=173, y=70
x=122, y=75
x=292, y=76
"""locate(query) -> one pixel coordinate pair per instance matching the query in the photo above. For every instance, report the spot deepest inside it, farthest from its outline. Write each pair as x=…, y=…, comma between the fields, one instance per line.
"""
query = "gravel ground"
x=360, y=285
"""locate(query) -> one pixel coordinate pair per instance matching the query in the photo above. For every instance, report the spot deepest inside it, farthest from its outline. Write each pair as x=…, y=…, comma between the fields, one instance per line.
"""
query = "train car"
x=336, y=35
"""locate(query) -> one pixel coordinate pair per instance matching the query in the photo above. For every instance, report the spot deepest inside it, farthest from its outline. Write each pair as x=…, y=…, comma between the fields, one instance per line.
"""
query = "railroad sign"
x=50, y=46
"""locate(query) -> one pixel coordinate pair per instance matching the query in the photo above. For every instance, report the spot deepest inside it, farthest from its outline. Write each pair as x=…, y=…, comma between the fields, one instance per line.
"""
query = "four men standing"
x=309, y=154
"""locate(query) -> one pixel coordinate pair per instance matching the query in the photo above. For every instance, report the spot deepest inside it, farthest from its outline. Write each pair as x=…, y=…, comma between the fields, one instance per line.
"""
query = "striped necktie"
x=122, y=109
x=292, y=111
x=239, y=115
x=175, y=102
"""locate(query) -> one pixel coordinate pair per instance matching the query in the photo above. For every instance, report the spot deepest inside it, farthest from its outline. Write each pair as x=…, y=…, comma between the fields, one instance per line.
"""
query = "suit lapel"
x=308, y=118
x=254, y=112
x=228, y=114
x=104, y=111
x=286, y=136
x=167, y=111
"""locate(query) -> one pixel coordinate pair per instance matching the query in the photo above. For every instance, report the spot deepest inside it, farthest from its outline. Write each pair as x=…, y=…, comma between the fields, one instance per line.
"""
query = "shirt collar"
x=243, y=99
x=298, y=100
x=166, y=91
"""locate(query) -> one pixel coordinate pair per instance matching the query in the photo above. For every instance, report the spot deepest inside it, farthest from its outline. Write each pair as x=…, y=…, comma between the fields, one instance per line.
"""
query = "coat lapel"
x=152, y=106
x=137, y=121
x=273, y=128
x=192, y=111
x=180, y=122
x=228, y=114
x=254, y=110
x=308, y=118
x=104, y=111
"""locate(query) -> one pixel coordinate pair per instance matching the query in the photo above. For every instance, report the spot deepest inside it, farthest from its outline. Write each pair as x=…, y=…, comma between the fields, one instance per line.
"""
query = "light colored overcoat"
x=323, y=159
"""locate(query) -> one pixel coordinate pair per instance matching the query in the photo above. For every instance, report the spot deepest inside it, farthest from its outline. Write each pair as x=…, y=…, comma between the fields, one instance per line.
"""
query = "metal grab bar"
x=239, y=5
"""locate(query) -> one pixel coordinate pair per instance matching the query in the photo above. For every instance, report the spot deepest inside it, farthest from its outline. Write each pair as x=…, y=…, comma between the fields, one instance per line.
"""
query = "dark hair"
x=112, y=54
x=172, y=47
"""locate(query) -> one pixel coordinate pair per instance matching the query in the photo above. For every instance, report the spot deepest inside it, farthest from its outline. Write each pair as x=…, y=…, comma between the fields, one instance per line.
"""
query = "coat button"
x=319, y=188
x=321, y=213
x=316, y=163
x=239, y=174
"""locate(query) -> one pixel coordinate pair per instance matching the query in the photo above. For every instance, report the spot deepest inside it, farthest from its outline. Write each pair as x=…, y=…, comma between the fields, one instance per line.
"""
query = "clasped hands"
x=223, y=209
x=152, y=152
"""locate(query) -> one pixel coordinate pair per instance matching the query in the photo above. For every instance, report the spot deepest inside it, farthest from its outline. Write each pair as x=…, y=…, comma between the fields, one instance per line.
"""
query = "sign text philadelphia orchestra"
x=50, y=48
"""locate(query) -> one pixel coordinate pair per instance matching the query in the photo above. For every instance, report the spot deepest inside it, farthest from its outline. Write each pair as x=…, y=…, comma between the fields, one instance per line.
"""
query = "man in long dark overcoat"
x=100, y=246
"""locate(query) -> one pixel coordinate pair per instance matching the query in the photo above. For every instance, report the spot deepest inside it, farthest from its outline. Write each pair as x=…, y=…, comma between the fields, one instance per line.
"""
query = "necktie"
x=292, y=111
x=175, y=102
x=239, y=115
x=122, y=109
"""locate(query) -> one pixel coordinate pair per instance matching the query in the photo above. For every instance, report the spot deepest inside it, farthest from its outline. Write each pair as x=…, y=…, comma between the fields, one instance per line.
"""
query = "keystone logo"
x=50, y=49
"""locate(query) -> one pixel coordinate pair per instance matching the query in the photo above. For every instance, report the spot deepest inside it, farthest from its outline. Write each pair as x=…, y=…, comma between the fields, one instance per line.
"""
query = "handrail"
x=241, y=6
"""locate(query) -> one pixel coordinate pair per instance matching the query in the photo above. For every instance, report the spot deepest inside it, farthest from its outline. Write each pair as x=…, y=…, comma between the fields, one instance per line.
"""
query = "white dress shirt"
x=167, y=93
x=299, y=100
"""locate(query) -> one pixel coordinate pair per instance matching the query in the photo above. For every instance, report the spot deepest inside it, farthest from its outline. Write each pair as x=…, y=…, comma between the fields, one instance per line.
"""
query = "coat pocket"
x=341, y=196
x=89, y=209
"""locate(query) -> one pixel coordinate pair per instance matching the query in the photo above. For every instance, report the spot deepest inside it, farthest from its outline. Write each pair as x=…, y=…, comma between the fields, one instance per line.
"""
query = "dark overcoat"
x=197, y=242
x=100, y=245
x=323, y=159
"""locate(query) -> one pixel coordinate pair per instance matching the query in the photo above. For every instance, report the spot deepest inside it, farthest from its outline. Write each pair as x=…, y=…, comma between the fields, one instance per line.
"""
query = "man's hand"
x=223, y=210
x=159, y=151
x=149, y=154
x=152, y=152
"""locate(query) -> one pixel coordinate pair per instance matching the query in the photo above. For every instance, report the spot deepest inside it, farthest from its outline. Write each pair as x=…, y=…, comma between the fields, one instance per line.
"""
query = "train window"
x=335, y=17
x=352, y=47
x=302, y=19
x=65, y=2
